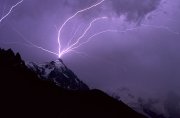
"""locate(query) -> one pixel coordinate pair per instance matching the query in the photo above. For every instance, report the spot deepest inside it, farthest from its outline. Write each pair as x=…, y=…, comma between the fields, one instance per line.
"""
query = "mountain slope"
x=24, y=95
x=57, y=72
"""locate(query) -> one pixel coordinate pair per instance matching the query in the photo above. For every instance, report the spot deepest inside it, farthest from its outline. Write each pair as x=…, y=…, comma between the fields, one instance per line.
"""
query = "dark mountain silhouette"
x=24, y=95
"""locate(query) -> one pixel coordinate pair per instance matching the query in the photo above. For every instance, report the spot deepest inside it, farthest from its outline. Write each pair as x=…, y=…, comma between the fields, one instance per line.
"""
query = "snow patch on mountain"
x=57, y=72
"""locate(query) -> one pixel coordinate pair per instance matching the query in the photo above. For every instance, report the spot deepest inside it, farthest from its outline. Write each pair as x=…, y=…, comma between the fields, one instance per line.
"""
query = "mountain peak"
x=57, y=72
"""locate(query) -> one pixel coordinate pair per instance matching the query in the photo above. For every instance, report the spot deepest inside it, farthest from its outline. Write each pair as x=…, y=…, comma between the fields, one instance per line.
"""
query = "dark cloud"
x=134, y=10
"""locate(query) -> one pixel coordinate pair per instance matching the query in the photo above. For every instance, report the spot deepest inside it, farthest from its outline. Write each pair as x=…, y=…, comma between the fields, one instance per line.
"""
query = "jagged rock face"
x=57, y=72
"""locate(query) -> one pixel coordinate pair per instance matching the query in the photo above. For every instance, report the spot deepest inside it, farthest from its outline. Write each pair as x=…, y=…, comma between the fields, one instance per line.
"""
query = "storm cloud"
x=134, y=10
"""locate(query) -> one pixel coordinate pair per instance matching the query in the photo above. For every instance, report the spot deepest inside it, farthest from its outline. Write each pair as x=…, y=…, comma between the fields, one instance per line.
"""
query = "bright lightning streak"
x=27, y=41
x=6, y=15
x=85, y=32
x=102, y=32
x=71, y=47
x=124, y=31
x=32, y=44
x=74, y=35
x=161, y=27
x=61, y=28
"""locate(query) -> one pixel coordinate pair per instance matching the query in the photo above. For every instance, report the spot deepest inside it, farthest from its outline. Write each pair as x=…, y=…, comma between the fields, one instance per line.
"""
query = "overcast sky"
x=146, y=59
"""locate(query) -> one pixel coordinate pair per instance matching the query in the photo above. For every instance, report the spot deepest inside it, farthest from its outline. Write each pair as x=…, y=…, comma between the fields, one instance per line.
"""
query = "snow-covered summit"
x=59, y=73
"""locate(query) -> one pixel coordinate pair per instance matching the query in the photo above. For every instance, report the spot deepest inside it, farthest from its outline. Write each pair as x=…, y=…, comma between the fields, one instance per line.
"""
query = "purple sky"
x=145, y=60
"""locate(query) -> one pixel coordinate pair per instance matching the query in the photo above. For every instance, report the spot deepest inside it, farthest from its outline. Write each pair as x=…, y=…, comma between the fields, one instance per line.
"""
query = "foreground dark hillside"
x=24, y=95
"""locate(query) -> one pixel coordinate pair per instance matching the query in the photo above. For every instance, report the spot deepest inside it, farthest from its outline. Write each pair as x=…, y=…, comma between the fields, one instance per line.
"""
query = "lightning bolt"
x=11, y=9
x=125, y=31
x=161, y=27
x=78, y=12
x=34, y=45
x=103, y=32
x=71, y=47
x=75, y=43
x=69, y=42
